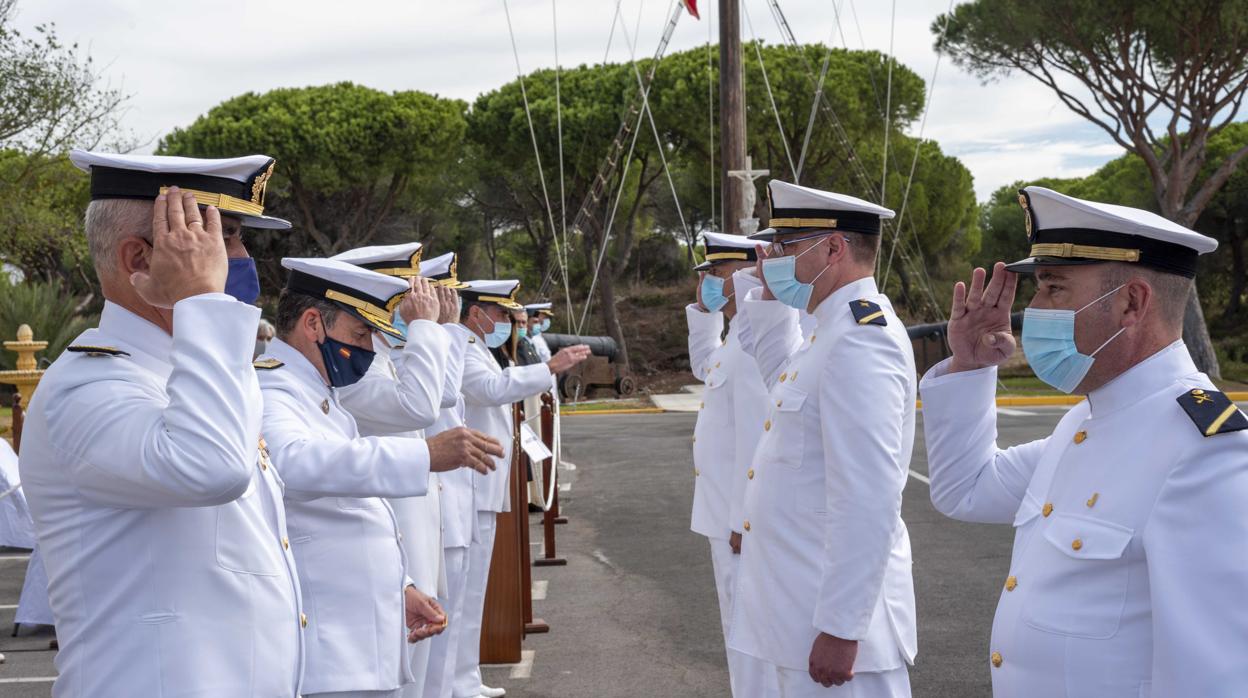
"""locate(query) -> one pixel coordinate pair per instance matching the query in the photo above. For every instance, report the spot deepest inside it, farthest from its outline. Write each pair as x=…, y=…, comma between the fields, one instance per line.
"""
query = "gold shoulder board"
x=267, y=364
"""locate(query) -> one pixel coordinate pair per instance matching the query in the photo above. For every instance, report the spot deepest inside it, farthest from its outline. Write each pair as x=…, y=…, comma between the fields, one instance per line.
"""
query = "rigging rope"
x=784, y=139
x=528, y=113
x=710, y=109
x=918, y=146
x=645, y=90
x=888, y=108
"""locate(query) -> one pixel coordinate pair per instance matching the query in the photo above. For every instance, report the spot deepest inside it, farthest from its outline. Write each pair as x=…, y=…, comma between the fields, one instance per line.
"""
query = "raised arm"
x=132, y=446
x=705, y=330
x=404, y=394
x=972, y=479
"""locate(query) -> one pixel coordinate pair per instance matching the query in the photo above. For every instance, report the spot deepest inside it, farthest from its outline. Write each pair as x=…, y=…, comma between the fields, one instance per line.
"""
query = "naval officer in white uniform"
x=353, y=572
x=824, y=589
x=402, y=394
x=730, y=422
x=459, y=487
x=489, y=391
x=156, y=508
x=1131, y=543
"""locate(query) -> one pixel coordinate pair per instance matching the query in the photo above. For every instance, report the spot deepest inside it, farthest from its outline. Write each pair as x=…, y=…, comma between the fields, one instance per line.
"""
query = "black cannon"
x=600, y=370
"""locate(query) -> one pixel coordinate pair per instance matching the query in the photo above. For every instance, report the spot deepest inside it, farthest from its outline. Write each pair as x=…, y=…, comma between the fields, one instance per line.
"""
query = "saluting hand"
x=188, y=252
x=420, y=302
x=758, y=269
x=567, y=358
x=463, y=447
x=979, y=322
x=424, y=616
x=448, y=301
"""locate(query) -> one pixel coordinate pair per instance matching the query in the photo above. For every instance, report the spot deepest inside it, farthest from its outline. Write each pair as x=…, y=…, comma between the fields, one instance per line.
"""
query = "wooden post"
x=502, y=624
x=550, y=557
x=19, y=419
x=731, y=114
x=520, y=504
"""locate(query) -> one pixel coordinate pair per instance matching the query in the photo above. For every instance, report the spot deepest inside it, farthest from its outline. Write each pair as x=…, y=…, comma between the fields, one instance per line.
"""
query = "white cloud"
x=181, y=59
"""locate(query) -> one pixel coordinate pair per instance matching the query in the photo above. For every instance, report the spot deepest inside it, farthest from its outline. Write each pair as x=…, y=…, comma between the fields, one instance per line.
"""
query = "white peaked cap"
x=401, y=260
x=236, y=186
x=793, y=207
x=443, y=270
x=1066, y=231
x=370, y=296
x=501, y=292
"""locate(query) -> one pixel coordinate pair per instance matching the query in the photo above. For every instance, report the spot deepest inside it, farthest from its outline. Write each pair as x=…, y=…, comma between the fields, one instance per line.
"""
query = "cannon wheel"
x=625, y=386
x=573, y=387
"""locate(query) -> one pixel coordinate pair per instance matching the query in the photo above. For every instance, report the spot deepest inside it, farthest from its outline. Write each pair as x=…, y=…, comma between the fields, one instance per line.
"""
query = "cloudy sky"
x=178, y=60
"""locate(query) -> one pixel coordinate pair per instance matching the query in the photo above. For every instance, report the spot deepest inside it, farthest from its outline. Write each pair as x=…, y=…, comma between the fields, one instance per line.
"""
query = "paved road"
x=633, y=613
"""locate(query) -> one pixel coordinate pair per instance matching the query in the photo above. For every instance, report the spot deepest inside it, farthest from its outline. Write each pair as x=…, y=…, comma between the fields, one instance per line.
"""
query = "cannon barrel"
x=598, y=346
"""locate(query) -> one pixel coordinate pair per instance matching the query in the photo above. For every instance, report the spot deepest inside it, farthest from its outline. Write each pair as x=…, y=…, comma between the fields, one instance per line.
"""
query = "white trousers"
x=467, y=679
x=749, y=677
x=894, y=683
x=442, y=651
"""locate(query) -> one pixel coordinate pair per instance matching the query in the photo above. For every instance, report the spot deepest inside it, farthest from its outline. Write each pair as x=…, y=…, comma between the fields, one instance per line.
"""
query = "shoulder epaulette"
x=267, y=364
x=868, y=313
x=1212, y=412
x=91, y=350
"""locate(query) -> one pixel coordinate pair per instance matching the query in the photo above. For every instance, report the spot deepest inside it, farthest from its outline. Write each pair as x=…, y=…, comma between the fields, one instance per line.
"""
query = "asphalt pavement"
x=634, y=611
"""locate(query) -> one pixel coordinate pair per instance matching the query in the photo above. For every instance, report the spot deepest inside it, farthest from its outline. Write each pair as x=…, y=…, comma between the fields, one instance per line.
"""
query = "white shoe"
x=492, y=692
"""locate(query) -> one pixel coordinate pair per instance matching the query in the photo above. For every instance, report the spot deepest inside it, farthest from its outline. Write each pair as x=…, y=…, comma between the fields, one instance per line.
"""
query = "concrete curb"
x=1007, y=401
x=637, y=410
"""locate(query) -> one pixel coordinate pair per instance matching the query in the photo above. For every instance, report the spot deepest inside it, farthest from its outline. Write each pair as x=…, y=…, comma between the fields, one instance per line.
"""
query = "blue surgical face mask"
x=241, y=281
x=781, y=276
x=713, y=293
x=499, y=336
x=522, y=331
x=399, y=324
x=1049, y=345
x=345, y=364
x=545, y=326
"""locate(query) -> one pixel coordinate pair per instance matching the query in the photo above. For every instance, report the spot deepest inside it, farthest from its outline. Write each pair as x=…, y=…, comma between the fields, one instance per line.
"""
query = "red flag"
x=692, y=6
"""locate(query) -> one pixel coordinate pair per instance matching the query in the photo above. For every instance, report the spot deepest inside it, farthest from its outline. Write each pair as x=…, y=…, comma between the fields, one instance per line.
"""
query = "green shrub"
x=50, y=312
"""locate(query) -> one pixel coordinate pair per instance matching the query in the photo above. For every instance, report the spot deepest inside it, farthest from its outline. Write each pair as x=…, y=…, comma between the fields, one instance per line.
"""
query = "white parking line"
x=921, y=478
x=1009, y=411
x=7, y=606
x=18, y=558
x=29, y=679
x=521, y=670
x=539, y=589
x=565, y=487
x=524, y=669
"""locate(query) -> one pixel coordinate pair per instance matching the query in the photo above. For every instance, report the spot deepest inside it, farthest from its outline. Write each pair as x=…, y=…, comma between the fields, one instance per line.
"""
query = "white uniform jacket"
x=401, y=395
x=825, y=548
x=730, y=422
x=489, y=392
x=459, y=486
x=1131, y=544
x=345, y=537
x=160, y=521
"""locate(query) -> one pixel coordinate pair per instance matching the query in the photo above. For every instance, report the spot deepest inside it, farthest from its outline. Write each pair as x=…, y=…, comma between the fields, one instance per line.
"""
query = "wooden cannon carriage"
x=600, y=370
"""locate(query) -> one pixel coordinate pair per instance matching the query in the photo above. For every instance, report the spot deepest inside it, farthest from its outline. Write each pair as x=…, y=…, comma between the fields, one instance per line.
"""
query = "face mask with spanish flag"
x=344, y=364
